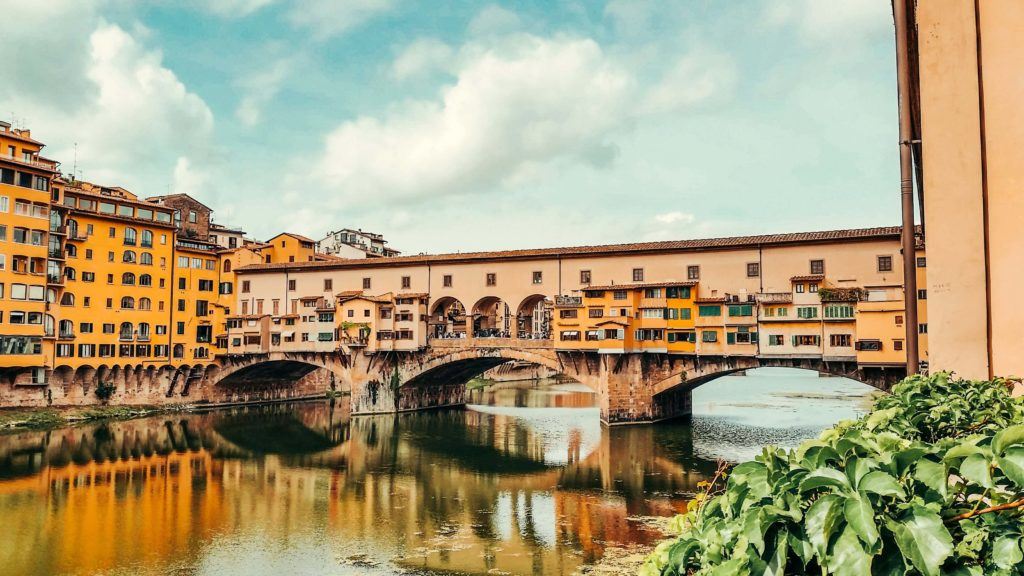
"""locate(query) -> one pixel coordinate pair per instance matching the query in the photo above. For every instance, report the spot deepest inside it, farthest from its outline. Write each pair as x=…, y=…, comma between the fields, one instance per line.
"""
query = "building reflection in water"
x=302, y=488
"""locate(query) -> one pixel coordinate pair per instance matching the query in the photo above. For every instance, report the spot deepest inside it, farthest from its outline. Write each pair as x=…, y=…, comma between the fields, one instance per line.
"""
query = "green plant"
x=104, y=390
x=930, y=482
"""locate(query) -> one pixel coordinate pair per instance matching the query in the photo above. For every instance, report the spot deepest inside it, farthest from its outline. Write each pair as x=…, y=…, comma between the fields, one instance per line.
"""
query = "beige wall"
x=959, y=144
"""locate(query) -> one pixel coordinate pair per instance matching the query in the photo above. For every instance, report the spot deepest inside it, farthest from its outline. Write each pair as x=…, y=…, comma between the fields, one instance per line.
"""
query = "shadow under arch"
x=271, y=373
x=533, y=317
x=447, y=318
x=491, y=318
x=275, y=429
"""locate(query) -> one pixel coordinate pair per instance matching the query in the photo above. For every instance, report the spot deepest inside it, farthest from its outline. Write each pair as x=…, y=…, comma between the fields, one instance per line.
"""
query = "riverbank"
x=14, y=419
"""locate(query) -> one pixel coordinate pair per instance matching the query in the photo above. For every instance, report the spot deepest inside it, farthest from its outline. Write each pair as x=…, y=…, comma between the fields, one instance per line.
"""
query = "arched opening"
x=533, y=318
x=448, y=319
x=491, y=318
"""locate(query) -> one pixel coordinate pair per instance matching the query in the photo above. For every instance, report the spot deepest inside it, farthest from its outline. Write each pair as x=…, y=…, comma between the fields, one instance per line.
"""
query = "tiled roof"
x=711, y=300
x=640, y=285
x=299, y=237
x=735, y=242
x=808, y=278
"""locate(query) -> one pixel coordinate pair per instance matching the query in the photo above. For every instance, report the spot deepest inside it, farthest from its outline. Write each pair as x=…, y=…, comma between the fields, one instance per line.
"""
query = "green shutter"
x=794, y=341
x=730, y=338
x=753, y=337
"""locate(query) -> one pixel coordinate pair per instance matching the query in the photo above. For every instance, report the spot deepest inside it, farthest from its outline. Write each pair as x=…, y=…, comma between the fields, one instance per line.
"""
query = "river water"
x=523, y=481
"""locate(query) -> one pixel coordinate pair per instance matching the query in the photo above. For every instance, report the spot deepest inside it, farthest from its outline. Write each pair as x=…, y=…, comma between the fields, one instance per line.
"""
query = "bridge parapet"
x=519, y=343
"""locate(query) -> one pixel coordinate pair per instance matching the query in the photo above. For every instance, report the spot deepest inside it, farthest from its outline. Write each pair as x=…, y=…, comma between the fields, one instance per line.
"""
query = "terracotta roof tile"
x=808, y=278
x=736, y=242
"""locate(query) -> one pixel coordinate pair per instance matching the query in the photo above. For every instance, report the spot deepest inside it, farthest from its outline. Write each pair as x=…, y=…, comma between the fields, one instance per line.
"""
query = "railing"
x=55, y=279
x=568, y=301
x=494, y=342
x=62, y=230
x=66, y=335
x=775, y=297
x=55, y=254
x=36, y=163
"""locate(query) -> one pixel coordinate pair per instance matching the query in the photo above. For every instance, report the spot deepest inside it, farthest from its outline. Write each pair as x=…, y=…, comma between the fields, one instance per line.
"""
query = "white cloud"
x=535, y=101
x=692, y=79
x=187, y=179
x=259, y=89
x=233, y=8
x=827, y=21
x=422, y=58
x=131, y=117
x=494, y=19
x=326, y=18
x=675, y=217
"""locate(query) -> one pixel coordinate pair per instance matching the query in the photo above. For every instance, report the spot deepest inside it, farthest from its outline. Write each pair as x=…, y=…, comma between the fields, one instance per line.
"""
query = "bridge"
x=631, y=387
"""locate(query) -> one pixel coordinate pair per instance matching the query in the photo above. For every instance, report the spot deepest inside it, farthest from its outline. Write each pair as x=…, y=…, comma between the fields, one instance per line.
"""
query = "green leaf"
x=825, y=477
x=801, y=545
x=780, y=553
x=849, y=557
x=881, y=483
x=923, y=539
x=976, y=468
x=933, y=475
x=754, y=531
x=861, y=518
x=1012, y=465
x=1006, y=552
x=1008, y=437
x=820, y=523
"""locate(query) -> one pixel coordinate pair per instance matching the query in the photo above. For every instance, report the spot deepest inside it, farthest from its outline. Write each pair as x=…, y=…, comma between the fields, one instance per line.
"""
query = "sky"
x=458, y=125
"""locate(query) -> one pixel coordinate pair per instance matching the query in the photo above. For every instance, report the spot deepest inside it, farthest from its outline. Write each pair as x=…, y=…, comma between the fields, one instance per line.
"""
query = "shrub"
x=930, y=482
x=105, y=390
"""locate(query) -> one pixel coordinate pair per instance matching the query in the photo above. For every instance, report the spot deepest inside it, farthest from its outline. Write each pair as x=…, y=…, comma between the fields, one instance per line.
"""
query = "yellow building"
x=27, y=277
x=115, y=306
x=287, y=247
x=196, y=276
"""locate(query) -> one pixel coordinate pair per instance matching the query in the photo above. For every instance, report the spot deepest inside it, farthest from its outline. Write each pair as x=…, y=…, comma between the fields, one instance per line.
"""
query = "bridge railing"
x=461, y=343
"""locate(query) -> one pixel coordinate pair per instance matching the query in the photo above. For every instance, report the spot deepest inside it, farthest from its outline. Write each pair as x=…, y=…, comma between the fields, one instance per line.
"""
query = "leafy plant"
x=930, y=482
x=104, y=390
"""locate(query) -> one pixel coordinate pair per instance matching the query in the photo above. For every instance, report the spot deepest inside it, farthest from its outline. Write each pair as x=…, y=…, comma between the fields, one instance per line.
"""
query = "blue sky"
x=472, y=125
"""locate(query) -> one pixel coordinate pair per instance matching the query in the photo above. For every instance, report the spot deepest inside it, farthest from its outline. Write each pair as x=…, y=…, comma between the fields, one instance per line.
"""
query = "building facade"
x=349, y=243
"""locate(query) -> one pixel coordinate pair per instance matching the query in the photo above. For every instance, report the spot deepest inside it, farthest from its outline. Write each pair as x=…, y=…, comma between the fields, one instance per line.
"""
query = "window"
x=182, y=283
x=807, y=312
x=446, y=281
x=328, y=284
x=245, y=286
x=146, y=259
x=693, y=272
x=922, y=262
x=753, y=269
x=145, y=280
x=775, y=340
x=799, y=288
x=569, y=336
x=406, y=282
x=291, y=285
x=812, y=287
x=817, y=266
x=741, y=310
x=129, y=236
x=571, y=313
x=192, y=216
x=709, y=336
x=922, y=328
x=206, y=285
x=147, y=237
x=898, y=319
x=145, y=304
x=922, y=294
x=128, y=279
x=652, y=313
x=840, y=311
x=366, y=283
x=710, y=310
x=127, y=303
x=869, y=345
x=224, y=288
x=584, y=276
x=619, y=295
x=492, y=279
x=538, y=277
x=897, y=345
x=885, y=263
x=203, y=307
x=128, y=257
x=638, y=274
x=839, y=340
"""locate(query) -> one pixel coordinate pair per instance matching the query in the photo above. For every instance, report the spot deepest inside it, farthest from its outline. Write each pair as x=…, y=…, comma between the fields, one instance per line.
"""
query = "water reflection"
x=522, y=482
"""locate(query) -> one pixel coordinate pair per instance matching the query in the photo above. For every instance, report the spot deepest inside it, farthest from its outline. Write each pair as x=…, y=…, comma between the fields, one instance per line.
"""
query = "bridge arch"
x=462, y=364
x=533, y=318
x=447, y=318
x=491, y=318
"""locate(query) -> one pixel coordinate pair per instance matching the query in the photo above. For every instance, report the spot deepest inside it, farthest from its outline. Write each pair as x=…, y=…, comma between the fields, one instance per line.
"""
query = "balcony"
x=59, y=230
x=568, y=301
x=45, y=165
x=77, y=236
x=653, y=303
x=57, y=254
x=775, y=298
x=55, y=279
x=126, y=337
x=66, y=335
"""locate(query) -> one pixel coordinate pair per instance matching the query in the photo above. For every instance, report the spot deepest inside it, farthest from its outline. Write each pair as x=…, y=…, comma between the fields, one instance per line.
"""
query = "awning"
x=288, y=334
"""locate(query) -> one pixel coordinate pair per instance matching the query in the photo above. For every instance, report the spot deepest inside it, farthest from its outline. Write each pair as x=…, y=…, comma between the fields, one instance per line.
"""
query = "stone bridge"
x=631, y=387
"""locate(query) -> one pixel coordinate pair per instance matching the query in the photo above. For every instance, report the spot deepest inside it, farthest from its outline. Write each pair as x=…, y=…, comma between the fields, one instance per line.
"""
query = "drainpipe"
x=899, y=10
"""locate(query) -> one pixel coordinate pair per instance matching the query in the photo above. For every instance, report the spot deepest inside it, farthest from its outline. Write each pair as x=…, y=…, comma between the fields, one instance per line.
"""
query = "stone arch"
x=62, y=376
x=468, y=362
x=491, y=318
x=533, y=318
x=447, y=318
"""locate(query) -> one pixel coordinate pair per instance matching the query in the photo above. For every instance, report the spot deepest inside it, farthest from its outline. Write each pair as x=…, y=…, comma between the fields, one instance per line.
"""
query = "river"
x=525, y=480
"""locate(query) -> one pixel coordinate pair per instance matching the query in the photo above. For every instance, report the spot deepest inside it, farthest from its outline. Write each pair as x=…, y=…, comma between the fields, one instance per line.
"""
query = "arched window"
x=129, y=257
x=227, y=265
x=127, y=303
x=126, y=331
x=71, y=251
x=145, y=280
x=72, y=228
x=67, y=329
x=51, y=295
x=129, y=236
x=67, y=299
x=179, y=351
x=147, y=238
x=70, y=273
x=48, y=325
x=128, y=279
x=143, y=331
x=146, y=258
x=145, y=304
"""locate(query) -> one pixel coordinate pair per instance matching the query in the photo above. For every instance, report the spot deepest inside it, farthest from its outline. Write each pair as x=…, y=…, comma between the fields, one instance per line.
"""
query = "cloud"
x=188, y=180
x=693, y=78
x=494, y=19
x=535, y=101
x=131, y=116
x=259, y=89
x=675, y=217
x=233, y=8
x=327, y=18
x=421, y=58
x=826, y=21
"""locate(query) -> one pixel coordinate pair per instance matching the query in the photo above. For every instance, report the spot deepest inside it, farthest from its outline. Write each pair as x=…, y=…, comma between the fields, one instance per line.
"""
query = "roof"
x=712, y=300
x=640, y=285
x=808, y=278
x=159, y=199
x=299, y=237
x=223, y=228
x=729, y=243
x=412, y=295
